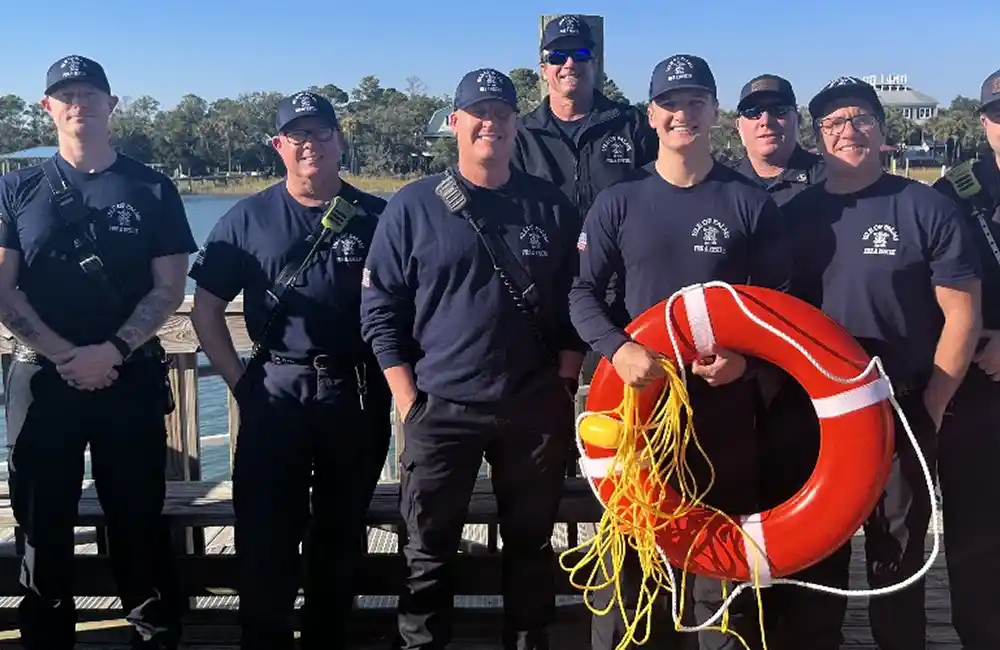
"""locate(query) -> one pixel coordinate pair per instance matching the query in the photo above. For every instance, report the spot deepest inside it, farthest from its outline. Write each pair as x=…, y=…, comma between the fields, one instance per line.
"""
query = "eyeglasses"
x=298, y=136
x=559, y=57
x=836, y=125
x=774, y=110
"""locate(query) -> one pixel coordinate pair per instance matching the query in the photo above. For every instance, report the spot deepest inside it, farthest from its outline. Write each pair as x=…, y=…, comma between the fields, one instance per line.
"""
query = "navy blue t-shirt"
x=871, y=260
x=137, y=215
x=666, y=237
x=432, y=298
x=248, y=248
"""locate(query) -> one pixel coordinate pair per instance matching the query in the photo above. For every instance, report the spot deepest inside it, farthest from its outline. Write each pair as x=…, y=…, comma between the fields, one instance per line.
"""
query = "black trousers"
x=49, y=425
x=303, y=428
x=969, y=449
x=724, y=421
x=895, y=532
x=526, y=443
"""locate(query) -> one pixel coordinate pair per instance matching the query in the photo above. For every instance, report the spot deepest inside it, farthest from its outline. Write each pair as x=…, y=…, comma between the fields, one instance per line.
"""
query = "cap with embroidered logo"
x=567, y=32
x=843, y=87
x=76, y=69
x=304, y=104
x=680, y=72
x=764, y=86
x=990, y=94
x=483, y=84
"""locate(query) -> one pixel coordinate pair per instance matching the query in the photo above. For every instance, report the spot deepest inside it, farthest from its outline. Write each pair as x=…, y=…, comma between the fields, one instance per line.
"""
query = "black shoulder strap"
x=76, y=217
x=512, y=273
x=966, y=185
x=300, y=255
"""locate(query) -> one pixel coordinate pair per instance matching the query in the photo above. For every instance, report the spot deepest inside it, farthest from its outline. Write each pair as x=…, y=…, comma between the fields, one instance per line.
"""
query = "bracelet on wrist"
x=121, y=346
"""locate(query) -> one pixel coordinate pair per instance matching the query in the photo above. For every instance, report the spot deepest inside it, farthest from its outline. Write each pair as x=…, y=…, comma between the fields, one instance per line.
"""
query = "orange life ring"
x=856, y=424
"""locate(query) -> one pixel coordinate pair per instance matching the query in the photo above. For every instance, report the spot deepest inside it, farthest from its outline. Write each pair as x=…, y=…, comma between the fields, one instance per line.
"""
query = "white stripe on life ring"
x=601, y=467
x=755, y=547
x=699, y=319
x=854, y=399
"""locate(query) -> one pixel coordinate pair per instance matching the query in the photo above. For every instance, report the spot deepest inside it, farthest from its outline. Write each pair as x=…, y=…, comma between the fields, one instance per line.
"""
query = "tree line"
x=383, y=128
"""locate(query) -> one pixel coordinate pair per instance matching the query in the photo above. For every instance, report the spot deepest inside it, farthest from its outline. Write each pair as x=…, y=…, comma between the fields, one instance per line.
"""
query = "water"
x=203, y=212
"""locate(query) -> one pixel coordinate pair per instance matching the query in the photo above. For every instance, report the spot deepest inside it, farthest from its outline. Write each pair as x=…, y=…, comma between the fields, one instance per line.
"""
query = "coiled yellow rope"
x=660, y=445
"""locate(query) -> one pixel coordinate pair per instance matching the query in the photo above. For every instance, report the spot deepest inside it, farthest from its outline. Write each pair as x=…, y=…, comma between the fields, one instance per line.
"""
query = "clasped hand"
x=89, y=367
x=638, y=366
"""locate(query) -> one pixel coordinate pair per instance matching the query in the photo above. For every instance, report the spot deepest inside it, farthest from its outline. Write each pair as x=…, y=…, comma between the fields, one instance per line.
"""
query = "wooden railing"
x=195, y=504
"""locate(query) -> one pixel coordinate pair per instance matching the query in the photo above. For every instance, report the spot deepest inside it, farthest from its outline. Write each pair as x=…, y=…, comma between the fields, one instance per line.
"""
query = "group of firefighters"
x=474, y=301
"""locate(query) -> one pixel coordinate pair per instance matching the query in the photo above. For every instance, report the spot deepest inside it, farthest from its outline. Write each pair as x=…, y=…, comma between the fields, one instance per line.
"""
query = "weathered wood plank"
x=205, y=503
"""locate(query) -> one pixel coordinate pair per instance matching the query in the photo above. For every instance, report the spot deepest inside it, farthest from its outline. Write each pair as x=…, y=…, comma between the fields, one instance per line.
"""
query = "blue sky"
x=219, y=48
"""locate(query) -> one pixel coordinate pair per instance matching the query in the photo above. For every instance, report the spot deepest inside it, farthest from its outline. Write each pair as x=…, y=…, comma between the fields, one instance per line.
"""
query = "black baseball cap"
x=304, y=104
x=568, y=31
x=76, y=69
x=990, y=94
x=482, y=84
x=766, y=85
x=681, y=71
x=840, y=88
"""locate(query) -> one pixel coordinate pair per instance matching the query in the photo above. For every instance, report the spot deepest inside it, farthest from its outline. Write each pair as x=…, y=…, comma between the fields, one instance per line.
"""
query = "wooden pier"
x=201, y=513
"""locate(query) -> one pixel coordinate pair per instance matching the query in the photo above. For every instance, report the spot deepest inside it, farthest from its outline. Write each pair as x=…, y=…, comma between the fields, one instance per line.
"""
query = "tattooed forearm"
x=149, y=316
x=22, y=321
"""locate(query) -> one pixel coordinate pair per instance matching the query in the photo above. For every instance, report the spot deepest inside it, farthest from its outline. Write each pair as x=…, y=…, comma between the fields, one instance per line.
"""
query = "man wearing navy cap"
x=479, y=361
x=970, y=437
x=894, y=263
x=577, y=137
x=93, y=250
x=768, y=124
x=314, y=408
x=686, y=219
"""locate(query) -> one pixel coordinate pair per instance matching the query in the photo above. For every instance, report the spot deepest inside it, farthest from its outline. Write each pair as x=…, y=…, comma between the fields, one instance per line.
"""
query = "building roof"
x=35, y=153
x=906, y=97
x=437, y=126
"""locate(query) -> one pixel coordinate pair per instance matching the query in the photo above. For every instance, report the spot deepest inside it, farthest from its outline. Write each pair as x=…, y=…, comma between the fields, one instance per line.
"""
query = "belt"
x=318, y=361
x=24, y=354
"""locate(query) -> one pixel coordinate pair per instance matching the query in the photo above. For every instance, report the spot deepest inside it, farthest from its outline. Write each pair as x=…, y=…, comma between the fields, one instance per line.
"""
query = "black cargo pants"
x=724, y=420
x=969, y=449
x=895, y=533
x=526, y=442
x=49, y=425
x=302, y=427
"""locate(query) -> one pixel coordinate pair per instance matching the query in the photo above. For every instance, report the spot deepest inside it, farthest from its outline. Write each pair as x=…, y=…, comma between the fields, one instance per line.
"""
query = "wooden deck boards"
x=571, y=635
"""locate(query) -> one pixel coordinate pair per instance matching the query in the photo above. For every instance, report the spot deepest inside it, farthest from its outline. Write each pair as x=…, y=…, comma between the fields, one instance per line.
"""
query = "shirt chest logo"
x=535, y=241
x=880, y=239
x=348, y=248
x=124, y=218
x=617, y=150
x=710, y=236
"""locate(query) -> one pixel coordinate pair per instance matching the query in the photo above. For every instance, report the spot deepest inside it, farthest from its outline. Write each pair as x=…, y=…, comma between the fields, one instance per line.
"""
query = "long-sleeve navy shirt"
x=665, y=237
x=432, y=298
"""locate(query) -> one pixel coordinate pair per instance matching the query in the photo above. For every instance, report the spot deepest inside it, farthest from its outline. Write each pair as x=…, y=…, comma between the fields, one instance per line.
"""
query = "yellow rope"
x=658, y=444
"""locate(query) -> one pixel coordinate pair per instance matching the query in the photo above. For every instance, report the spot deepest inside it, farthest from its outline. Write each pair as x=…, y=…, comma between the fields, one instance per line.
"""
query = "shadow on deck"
x=478, y=625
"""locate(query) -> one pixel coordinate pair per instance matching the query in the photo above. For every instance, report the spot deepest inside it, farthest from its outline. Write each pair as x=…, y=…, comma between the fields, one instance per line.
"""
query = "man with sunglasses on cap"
x=93, y=250
x=314, y=408
x=687, y=219
x=894, y=263
x=577, y=137
x=479, y=361
x=970, y=435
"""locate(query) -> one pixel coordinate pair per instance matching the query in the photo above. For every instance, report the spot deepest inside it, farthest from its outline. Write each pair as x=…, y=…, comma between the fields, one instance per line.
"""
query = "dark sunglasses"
x=298, y=136
x=559, y=57
x=775, y=110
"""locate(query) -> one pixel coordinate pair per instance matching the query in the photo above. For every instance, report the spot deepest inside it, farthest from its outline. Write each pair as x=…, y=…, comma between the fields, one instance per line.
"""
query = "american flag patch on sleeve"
x=581, y=243
x=366, y=277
